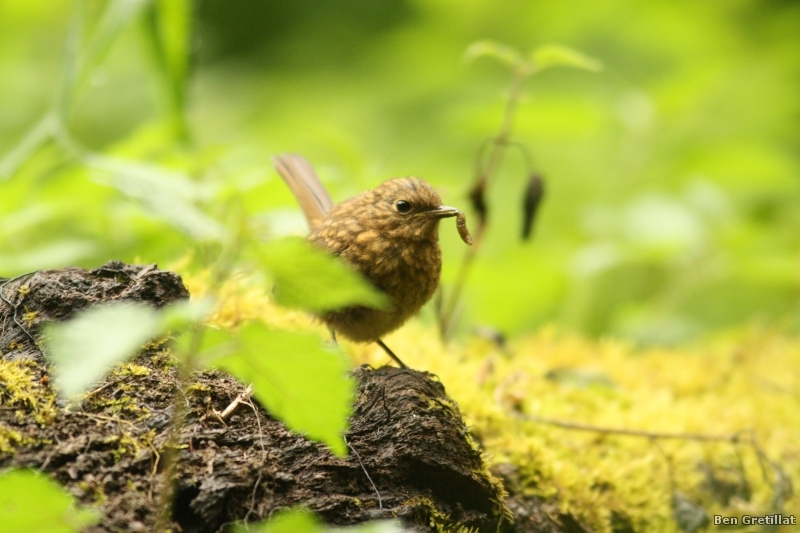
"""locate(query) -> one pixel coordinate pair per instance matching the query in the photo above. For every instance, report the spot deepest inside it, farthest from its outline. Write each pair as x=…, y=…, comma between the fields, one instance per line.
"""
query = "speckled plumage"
x=397, y=251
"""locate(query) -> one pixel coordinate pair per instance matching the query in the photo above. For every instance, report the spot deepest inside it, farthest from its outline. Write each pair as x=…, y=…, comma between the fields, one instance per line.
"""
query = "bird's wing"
x=299, y=175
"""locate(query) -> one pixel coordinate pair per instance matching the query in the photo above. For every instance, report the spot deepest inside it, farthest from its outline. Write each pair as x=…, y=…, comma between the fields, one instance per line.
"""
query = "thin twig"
x=242, y=398
x=100, y=389
x=380, y=501
x=668, y=462
x=249, y=402
x=734, y=437
x=15, y=307
x=153, y=471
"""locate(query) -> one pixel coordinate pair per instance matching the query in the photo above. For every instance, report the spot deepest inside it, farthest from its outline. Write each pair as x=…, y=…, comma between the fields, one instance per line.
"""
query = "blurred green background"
x=673, y=176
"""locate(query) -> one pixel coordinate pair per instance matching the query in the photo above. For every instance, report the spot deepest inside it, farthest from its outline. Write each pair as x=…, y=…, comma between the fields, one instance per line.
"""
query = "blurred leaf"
x=81, y=61
x=30, y=502
x=580, y=378
x=169, y=29
x=309, y=278
x=85, y=347
x=167, y=194
x=295, y=379
x=34, y=139
x=26, y=218
x=555, y=55
x=303, y=521
x=50, y=255
x=185, y=313
x=152, y=141
x=379, y=526
x=660, y=226
x=291, y=521
x=499, y=51
x=117, y=15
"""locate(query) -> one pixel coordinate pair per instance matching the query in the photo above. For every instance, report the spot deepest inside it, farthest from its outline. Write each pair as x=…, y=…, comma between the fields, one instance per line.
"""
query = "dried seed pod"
x=534, y=191
x=461, y=225
x=478, y=197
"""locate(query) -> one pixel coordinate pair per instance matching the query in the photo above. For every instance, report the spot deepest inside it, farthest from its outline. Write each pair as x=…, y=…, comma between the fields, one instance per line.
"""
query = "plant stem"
x=170, y=454
x=447, y=317
x=220, y=271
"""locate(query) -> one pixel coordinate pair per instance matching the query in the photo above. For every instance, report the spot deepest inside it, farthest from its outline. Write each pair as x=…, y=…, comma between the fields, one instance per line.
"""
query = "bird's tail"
x=299, y=175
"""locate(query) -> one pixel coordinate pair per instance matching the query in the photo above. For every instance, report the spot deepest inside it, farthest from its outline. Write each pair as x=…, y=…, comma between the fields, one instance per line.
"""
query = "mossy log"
x=411, y=456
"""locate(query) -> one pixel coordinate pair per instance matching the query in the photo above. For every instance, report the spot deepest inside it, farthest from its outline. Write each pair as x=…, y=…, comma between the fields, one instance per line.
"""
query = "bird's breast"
x=405, y=267
x=409, y=274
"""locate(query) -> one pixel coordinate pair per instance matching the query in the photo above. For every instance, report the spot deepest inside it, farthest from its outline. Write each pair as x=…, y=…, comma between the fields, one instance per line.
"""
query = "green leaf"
x=377, y=526
x=85, y=347
x=303, y=521
x=169, y=30
x=556, y=55
x=185, y=313
x=51, y=255
x=496, y=50
x=309, y=278
x=30, y=143
x=296, y=380
x=31, y=502
x=166, y=193
x=82, y=60
x=115, y=18
x=291, y=521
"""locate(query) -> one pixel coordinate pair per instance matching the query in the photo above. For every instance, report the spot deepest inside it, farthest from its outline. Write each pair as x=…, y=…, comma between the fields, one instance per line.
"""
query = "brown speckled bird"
x=389, y=234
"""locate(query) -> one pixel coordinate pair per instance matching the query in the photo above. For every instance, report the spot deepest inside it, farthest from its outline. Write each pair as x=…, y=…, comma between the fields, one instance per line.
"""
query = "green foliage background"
x=673, y=181
x=141, y=130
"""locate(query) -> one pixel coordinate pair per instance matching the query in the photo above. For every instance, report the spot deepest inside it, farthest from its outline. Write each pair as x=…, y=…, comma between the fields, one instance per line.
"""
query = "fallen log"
x=411, y=456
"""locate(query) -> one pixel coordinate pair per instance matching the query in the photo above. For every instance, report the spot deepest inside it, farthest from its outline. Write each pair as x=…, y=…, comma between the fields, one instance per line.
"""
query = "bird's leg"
x=380, y=343
x=391, y=353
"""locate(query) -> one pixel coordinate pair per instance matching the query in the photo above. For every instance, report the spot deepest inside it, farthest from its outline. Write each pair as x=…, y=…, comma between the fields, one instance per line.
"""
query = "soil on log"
x=411, y=456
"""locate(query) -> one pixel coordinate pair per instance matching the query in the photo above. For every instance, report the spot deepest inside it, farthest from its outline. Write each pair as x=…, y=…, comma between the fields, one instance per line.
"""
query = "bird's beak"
x=442, y=212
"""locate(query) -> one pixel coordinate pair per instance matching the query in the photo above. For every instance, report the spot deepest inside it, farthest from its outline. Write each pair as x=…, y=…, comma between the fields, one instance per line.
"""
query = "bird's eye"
x=402, y=206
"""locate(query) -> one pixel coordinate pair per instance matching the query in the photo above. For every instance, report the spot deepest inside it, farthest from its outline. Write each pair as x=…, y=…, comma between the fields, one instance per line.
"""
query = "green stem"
x=170, y=453
x=447, y=318
x=220, y=271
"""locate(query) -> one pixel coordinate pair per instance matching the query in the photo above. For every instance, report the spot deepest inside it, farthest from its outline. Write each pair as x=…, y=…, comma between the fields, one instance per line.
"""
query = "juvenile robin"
x=389, y=234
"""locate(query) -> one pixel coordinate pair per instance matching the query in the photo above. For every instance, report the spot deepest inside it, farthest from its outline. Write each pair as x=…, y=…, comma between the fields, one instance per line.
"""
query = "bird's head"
x=409, y=206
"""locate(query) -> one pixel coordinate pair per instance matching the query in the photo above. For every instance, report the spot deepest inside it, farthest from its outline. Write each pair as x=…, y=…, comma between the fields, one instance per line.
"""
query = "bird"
x=389, y=234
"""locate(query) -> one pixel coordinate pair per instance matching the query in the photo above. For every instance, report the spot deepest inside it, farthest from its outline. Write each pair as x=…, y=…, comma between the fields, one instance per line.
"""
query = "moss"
x=29, y=317
x=94, y=490
x=155, y=345
x=244, y=298
x=131, y=369
x=125, y=444
x=9, y=440
x=747, y=379
x=13, y=347
x=21, y=389
x=438, y=521
x=163, y=359
x=198, y=389
x=123, y=405
x=744, y=380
